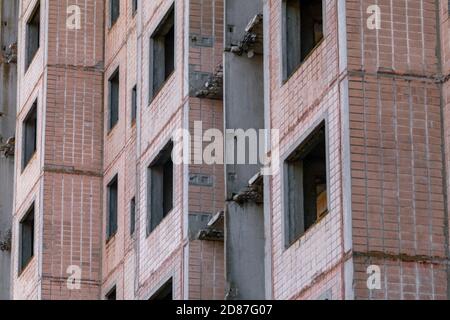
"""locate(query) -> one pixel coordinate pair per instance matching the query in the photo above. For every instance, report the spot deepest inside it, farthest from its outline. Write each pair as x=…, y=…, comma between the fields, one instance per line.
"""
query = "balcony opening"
x=29, y=136
x=112, y=294
x=162, y=46
x=133, y=104
x=114, y=11
x=132, y=216
x=112, y=208
x=302, y=31
x=164, y=293
x=114, y=86
x=26, y=239
x=134, y=7
x=306, y=198
x=33, y=28
x=160, y=188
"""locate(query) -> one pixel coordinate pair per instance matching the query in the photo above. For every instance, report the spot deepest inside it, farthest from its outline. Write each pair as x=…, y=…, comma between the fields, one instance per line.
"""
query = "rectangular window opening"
x=164, y=293
x=112, y=294
x=29, y=136
x=114, y=11
x=26, y=239
x=33, y=28
x=133, y=104
x=114, y=85
x=162, y=44
x=303, y=30
x=112, y=208
x=160, y=188
x=306, y=199
x=134, y=6
x=132, y=216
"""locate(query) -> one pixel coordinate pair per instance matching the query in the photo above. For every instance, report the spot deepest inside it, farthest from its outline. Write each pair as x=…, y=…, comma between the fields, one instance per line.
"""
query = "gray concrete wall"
x=244, y=109
x=243, y=86
x=244, y=251
x=8, y=86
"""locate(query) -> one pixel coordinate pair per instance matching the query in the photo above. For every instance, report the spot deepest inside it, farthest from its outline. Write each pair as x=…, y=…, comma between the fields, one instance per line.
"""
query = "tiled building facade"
x=360, y=105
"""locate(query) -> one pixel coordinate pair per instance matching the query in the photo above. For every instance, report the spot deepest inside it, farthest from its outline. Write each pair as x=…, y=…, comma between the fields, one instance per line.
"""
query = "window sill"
x=161, y=89
x=29, y=163
x=110, y=131
x=160, y=223
x=25, y=268
x=312, y=228
x=301, y=64
x=111, y=239
x=112, y=25
x=28, y=67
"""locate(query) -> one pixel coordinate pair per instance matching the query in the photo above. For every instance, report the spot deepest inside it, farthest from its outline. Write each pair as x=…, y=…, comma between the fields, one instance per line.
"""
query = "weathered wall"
x=206, y=258
x=63, y=178
x=399, y=218
x=244, y=109
x=9, y=14
x=297, y=105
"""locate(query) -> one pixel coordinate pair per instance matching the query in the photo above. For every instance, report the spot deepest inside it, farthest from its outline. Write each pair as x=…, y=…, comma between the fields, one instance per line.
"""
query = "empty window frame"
x=26, y=239
x=114, y=87
x=132, y=216
x=29, y=134
x=164, y=293
x=114, y=11
x=160, y=188
x=111, y=224
x=33, y=28
x=305, y=185
x=162, y=53
x=133, y=104
x=112, y=294
x=134, y=7
x=302, y=31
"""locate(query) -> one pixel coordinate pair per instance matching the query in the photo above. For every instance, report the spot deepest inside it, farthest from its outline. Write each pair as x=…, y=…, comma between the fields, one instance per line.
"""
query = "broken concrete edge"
x=253, y=192
x=214, y=230
x=249, y=41
x=213, y=86
x=7, y=149
x=5, y=241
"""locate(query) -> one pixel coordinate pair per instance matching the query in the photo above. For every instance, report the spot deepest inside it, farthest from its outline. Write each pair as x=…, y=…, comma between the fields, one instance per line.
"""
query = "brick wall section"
x=399, y=221
x=66, y=75
x=120, y=152
x=160, y=255
x=206, y=259
x=310, y=94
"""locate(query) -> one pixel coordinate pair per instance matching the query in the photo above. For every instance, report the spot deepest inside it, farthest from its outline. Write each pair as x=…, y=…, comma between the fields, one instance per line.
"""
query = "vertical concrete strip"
x=267, y=179
x=346, y=158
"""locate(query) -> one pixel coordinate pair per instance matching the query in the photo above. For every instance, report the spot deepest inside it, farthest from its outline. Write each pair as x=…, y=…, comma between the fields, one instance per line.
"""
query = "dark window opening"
x=33, y=35
x=114, y=11
x=164, y=293
x=133, y=104
x=303, y=31
x=306, y=200
x=160, y=188
x=29, y=136
x=112, y=294
x=135, y=6
x=112, y=208
x=132, y=216
x=26, y=239
x=114, y=84
x=162, y=53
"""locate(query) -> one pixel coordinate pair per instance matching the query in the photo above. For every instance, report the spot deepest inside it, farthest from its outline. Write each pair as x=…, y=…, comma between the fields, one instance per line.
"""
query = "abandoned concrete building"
x=352, y=98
